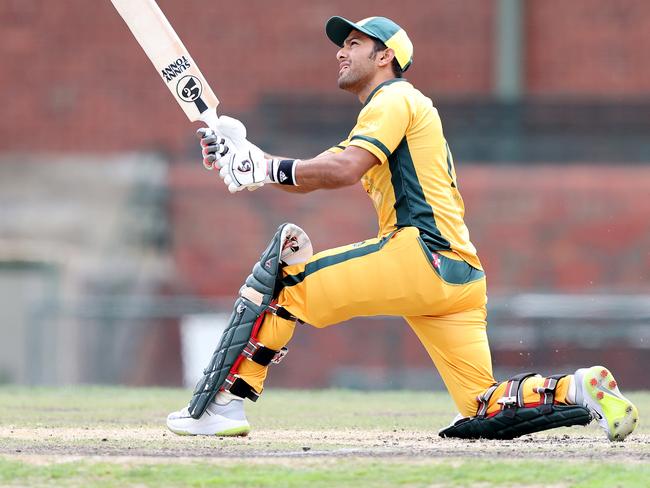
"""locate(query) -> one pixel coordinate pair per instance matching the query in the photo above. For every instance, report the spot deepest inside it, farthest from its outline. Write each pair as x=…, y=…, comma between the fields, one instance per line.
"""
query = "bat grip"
x=211, y=119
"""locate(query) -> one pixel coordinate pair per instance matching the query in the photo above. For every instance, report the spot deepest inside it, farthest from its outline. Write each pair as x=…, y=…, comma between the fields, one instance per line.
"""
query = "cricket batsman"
x=421, y=266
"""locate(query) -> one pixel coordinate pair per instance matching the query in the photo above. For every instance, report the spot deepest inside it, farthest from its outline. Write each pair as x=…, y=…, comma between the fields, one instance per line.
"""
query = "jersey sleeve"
x=339, y=147
x=382, y=124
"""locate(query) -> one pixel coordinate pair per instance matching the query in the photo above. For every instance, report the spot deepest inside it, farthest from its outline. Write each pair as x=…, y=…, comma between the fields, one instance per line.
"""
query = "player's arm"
x=380, y=127
x=285, y=188
x=243, y=165
x=334, y=170
x=329, y=170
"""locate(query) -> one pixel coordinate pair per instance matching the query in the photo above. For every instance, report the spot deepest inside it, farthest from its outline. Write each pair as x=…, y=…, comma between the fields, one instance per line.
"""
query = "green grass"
x=112, y=436
x=277, y=409
x=348, y=473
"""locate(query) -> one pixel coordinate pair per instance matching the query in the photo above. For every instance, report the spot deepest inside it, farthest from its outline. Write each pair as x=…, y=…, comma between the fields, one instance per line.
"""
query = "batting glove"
x=241, y=164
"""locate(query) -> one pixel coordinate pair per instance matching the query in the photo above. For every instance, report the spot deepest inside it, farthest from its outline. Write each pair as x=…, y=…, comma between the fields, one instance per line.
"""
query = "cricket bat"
x=175, y=66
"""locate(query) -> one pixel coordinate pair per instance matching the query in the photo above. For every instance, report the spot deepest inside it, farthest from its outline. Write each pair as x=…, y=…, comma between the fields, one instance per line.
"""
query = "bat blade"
x=171, y=59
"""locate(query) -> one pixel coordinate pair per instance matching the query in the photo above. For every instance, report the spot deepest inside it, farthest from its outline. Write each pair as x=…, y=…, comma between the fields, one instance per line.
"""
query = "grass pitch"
x=106, y=436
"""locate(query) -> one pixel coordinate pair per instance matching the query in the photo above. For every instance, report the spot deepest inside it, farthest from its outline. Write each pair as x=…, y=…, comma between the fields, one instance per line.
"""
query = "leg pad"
x=239, y=339
x=515, y=417
x=526, y=420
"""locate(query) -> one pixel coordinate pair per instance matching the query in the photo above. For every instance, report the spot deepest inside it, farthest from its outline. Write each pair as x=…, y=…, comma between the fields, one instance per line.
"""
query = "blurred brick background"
x=587, y=47
x=555, y=183
x=547, y=227
x=74, y=75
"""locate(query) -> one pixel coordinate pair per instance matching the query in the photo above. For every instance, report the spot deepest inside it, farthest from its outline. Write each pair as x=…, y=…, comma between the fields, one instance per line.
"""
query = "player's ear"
x=387, y=57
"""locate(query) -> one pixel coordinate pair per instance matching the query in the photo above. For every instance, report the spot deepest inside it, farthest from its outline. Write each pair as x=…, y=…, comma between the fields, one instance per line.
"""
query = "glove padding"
x=241, y=164
x=213, y=147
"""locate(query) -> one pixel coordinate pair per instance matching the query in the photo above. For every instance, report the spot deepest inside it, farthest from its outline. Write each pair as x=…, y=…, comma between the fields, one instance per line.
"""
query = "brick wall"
x=588, y=47
x=569, y=229
x=80, y=81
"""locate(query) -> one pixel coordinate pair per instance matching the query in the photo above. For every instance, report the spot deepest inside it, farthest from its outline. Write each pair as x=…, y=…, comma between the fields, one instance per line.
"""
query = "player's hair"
x=380, y=46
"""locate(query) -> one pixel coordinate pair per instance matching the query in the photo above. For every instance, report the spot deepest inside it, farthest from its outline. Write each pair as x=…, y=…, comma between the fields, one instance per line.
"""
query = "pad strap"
x=235, y=385
x=282, y=312
x=257, y=352
x=484, y=400
x=547, y=392
x=513, y=396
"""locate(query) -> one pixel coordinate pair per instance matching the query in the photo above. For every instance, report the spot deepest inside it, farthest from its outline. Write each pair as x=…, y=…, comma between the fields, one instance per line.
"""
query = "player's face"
x=356, y=66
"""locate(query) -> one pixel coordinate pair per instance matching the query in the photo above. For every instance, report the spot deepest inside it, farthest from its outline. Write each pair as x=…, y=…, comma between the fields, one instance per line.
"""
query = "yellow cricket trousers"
x=441, y=298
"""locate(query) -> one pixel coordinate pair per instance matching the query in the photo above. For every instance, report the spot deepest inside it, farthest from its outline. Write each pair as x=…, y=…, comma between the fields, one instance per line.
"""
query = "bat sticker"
x=189, y=88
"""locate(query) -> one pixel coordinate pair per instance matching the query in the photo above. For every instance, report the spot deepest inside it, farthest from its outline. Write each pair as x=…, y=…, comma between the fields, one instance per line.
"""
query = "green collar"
x=382, y=84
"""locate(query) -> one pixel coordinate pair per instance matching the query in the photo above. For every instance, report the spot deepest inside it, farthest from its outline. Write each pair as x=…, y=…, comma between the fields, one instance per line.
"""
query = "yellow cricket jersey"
x=415, y=184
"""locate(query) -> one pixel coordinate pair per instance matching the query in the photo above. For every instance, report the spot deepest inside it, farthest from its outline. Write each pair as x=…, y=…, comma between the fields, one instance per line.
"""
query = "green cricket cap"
x=387, y=31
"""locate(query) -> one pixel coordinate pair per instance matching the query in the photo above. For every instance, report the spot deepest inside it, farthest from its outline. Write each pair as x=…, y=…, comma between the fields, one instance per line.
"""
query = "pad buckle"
x=257, y=352
x=507, y=401
x=281, y=312
x=279, y=356
x=547, y=393
x=250, y=349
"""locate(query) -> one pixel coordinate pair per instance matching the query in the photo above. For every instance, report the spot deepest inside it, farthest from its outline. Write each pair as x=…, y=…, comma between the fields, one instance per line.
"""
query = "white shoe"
x=597, y=390
x=224, y=416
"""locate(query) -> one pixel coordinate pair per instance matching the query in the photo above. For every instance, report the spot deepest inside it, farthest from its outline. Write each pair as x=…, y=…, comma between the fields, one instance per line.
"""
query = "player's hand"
x=228, y=135
x=213, y=147
x=246, y=169
x=241, y=164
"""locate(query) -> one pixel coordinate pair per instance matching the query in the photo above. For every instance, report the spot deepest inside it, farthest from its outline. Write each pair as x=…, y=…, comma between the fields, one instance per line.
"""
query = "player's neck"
x=376, y=80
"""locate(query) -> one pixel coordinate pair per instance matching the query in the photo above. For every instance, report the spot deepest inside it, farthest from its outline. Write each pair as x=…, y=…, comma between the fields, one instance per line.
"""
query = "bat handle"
x=211, y=119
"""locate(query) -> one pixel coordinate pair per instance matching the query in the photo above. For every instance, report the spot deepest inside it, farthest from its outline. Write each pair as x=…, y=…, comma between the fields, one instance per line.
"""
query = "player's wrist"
x=282, y=171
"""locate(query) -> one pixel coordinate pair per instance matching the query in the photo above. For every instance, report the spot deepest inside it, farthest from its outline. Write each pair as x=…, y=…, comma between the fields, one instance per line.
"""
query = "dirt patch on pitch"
x=154, y=444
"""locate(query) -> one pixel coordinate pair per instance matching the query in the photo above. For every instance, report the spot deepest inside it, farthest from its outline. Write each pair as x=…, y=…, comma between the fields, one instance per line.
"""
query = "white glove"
x=241, y=163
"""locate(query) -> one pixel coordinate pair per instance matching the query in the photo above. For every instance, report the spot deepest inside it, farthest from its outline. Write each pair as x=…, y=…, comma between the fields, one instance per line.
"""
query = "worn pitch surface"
x=290, y=428
x=99, y=421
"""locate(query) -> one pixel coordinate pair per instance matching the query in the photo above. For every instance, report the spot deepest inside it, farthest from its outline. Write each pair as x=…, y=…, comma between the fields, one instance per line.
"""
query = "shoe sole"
x=235, y=432
x=619, y=416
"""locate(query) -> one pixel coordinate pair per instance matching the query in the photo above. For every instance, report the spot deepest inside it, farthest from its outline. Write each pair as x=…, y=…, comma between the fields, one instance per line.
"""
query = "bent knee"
x=320, y=322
